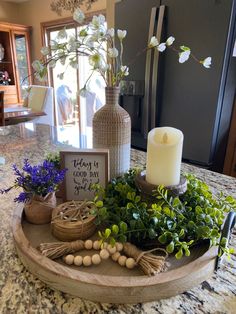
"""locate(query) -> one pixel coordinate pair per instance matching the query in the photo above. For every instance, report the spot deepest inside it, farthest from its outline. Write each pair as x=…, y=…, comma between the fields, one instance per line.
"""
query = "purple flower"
x=3, y=191
x=40, y=179
x=22, y=197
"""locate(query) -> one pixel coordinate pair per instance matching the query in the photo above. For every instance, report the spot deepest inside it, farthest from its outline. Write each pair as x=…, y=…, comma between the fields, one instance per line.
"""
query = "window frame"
x=55, y=25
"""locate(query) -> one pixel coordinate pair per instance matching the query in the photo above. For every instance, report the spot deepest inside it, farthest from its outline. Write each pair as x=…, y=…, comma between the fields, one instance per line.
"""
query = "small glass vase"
x=112, y=130
x=38, y=210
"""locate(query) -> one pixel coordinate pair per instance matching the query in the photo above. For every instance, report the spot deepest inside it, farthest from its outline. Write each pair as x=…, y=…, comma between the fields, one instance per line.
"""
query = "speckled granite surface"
x=21, y=292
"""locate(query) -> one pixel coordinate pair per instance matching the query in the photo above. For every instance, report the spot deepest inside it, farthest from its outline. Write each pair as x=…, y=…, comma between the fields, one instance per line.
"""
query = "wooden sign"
x=85, y=167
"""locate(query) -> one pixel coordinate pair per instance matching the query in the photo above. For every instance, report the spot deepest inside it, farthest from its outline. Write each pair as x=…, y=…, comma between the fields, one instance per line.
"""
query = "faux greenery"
x=176, y=222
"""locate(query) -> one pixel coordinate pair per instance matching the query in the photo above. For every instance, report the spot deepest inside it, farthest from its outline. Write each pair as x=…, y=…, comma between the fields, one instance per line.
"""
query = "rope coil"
x=73, y=220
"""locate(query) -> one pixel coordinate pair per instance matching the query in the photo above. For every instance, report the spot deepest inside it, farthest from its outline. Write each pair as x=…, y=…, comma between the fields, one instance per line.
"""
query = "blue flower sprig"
x=36, y=180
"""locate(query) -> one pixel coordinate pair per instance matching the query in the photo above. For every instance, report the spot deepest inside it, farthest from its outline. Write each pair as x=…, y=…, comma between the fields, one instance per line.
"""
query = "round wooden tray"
x=108, y=282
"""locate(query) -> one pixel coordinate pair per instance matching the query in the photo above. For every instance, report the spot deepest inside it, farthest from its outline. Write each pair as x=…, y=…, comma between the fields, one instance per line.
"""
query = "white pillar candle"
x=164, y=154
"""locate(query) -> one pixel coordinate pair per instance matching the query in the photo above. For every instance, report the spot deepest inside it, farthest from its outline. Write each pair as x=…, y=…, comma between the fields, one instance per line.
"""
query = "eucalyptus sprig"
x=174, y=222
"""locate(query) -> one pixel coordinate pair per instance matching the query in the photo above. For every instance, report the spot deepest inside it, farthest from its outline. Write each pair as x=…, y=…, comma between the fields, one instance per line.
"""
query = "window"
x=70, y=108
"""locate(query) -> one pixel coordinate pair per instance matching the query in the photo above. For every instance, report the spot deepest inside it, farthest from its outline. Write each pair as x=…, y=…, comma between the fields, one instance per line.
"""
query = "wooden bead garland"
x=130, y=263
x=96, y=259
x=149, y=263
x=106, y=250
x=122, y=260
x=96, y=245
x=87, y=260
x=115, y=256
x=78, y=260
x=88, y=244
x=69, y=259
x=104, y=253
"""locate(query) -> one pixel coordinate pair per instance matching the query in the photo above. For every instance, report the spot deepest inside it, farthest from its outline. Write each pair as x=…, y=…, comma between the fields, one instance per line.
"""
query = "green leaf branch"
x=176, y=223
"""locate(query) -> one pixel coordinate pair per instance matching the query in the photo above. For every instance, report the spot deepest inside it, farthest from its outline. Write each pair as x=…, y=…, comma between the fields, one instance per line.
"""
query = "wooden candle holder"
x=146, y=189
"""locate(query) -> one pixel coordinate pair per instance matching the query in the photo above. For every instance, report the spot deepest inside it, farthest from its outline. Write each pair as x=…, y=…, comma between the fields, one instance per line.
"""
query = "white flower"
x=78, y=16
x=45, y=51
x=170, y=41
x=98, y=21
x=95, y=60
x=96, y=36
x=161, y=47
x=102, y=19
x=113, y=52
x=153, y=42
x=53, y=45
x=206, y=62
x=62, y=34
x=72, y=44
x=89, y=42
x=63, y=60
x=104, y=67
x=125, y=70
x=184, y=56
x=111, y=32
x=121, y=34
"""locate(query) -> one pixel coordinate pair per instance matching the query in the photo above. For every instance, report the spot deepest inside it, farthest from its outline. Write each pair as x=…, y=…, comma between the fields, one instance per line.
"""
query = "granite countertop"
x=22, y=292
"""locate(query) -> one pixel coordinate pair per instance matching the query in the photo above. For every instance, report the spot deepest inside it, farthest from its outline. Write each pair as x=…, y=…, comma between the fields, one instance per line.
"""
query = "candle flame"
x=165, y=138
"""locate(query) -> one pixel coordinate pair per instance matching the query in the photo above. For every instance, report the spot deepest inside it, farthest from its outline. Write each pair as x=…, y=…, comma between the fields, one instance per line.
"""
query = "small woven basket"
x=73, y=221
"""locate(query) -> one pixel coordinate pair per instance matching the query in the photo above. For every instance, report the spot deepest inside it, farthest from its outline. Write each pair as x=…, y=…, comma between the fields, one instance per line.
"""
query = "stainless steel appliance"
x=163, y=92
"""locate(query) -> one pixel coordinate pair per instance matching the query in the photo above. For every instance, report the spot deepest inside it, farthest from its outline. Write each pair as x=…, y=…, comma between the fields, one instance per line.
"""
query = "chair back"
x=40, y=98
x=2, y=121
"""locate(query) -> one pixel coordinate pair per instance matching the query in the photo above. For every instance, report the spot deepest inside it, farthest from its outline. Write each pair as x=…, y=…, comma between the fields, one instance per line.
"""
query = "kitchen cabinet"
x=15, y=64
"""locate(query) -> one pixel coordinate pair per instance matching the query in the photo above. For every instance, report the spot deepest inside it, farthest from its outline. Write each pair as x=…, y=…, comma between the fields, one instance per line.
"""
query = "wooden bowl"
x=108, y=282
x=66, y=225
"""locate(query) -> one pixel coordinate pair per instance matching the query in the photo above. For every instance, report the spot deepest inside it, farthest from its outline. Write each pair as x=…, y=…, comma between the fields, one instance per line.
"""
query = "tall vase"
x=112, y=130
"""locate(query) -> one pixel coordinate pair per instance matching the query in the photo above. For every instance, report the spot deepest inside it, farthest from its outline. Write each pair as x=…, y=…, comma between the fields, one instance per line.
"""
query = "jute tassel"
x=149, y=263
x=57, y=249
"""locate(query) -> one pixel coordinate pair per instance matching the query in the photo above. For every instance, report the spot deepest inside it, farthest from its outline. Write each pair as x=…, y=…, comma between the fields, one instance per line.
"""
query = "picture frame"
x=84, y=168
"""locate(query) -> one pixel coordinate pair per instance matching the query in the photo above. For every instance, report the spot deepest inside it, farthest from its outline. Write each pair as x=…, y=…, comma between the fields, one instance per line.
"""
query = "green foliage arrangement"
x=176, y=222
x=54, y=158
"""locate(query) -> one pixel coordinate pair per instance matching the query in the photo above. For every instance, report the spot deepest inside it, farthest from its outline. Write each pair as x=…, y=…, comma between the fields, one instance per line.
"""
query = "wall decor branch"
x=70, y=5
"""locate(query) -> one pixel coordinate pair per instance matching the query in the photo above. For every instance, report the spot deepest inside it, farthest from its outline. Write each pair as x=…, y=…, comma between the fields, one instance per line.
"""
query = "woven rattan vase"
x=112, y=130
